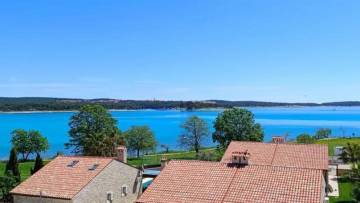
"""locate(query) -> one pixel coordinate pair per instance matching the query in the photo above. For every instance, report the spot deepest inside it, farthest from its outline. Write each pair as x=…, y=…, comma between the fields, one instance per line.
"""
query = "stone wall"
x=111, y=179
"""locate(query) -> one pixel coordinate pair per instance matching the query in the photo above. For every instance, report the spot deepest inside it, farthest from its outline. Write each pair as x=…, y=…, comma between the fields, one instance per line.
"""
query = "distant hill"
x=61, y=104
x=259, y=103
x=344, y=103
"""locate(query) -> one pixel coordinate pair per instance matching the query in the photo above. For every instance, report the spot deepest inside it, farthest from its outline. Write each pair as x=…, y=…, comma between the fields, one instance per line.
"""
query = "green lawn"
x=24, y=169
x=154, y=159
x=345, y=187
x=332, y=143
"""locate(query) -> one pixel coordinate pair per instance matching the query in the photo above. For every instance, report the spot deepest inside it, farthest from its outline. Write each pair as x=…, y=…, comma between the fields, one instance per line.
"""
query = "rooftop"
x=311, y=156
x=200, y=181
x=63, y=177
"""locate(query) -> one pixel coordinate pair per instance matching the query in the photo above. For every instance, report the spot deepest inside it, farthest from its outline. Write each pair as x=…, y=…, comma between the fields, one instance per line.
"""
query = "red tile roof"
x=312, y=156
x=205, y=182
x=58, y=180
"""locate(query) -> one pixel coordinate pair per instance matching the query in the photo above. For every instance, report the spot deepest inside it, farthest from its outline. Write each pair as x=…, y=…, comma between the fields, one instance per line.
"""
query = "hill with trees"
x=8, y=104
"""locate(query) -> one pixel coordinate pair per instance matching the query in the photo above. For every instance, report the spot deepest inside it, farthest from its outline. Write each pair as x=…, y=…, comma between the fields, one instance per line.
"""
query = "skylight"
x=93, y=167
x=73, y=163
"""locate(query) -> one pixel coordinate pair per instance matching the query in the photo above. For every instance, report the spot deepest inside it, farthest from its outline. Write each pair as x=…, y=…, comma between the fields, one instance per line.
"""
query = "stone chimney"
x=121, y=154
x=278, y=139
x=240, y=157
x=164, y=161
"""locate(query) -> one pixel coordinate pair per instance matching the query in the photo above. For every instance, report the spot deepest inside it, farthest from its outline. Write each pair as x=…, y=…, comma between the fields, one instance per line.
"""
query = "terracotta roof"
x=58, y=180
x=312, y=156
x=204, y=182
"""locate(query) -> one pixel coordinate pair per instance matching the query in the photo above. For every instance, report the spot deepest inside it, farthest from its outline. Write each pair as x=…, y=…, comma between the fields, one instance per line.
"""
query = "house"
x=75, y=179
x=248, y=172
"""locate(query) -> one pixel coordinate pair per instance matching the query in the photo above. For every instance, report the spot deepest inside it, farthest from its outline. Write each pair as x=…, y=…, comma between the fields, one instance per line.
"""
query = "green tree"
x=7, y=183
x=195, y=130
x=140, y=138
x=322, y=133
x=355, y=178
x=305, y=139
x=12, y=165
x=93, y=132
x=38, y=142
x=20, y=140
x=28, y=142
x=356, y=192
x=38, y=164
x=351, y=153
x=236, y=124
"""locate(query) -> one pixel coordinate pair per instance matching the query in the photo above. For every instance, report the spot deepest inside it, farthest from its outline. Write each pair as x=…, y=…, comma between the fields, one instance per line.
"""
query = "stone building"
x=75, y=179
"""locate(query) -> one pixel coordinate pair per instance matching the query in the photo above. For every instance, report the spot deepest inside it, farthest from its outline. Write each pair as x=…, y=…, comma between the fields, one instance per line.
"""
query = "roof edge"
x=44, y=196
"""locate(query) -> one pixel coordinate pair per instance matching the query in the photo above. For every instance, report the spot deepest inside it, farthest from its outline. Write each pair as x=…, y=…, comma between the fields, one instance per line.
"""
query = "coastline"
x=175, y=109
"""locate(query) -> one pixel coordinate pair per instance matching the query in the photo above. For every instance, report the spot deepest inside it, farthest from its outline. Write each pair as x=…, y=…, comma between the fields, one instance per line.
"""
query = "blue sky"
x=265, y=50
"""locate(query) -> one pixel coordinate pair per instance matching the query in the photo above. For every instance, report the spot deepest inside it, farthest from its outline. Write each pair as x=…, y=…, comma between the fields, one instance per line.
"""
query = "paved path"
x=333, y=182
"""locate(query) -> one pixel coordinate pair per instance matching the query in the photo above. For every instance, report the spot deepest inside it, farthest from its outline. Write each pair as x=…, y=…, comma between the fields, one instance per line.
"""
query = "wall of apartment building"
x=30, y=199
x=111, y=180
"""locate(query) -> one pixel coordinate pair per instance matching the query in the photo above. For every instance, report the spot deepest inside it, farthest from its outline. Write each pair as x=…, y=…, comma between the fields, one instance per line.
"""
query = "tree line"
x=306, y=138
x=61, y=104
x=94, y=132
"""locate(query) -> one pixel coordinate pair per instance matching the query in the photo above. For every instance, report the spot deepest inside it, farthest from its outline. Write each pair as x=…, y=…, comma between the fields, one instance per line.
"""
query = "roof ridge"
x=285, y=167
x=250, y=165
x=273, y=156
x=86, y=157
x=228, y=188
x=193, y=160
x=286, y=143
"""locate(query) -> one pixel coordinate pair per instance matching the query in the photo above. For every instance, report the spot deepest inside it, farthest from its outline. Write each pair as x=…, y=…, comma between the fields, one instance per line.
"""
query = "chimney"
x=121, y=154
x=240, y=157
x=278, y=139
x=164, y=161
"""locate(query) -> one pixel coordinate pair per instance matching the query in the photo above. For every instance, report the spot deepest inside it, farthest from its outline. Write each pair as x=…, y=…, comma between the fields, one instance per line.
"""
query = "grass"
x=154, y=159
x=23, y=167
x=345, y=188
x=332, y=143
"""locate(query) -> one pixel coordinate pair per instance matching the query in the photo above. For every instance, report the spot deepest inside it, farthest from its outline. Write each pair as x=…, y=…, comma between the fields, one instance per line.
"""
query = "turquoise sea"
x=344, y=121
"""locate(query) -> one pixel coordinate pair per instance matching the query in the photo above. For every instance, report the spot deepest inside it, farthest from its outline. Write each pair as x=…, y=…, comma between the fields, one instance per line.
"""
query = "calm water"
x=165, y=124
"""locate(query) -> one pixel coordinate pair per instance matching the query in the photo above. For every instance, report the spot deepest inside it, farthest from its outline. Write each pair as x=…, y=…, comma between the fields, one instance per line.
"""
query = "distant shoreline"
x=50, y=105
x=172, y=109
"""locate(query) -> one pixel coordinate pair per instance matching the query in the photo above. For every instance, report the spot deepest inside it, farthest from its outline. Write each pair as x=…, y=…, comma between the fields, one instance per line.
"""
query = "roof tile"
x=313, y=156
x=204, y=182
x=58, y=180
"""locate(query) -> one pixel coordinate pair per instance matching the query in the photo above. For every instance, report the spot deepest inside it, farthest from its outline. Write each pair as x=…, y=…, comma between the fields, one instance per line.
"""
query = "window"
x=73, y=163
x=109, y=197
x=93, y=167
x=124, y=190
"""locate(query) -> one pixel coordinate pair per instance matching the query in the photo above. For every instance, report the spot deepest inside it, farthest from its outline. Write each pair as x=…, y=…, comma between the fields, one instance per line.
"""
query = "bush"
x=305, y=139
x=7, y=183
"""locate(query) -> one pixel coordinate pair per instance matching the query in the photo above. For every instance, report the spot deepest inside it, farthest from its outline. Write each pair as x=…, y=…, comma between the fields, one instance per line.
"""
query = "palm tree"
x=351, y=153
